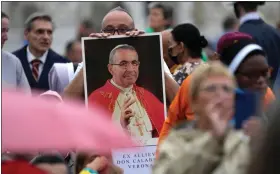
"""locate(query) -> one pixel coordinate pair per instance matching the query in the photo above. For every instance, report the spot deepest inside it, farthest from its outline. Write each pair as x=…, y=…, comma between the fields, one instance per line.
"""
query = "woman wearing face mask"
x=185, y=47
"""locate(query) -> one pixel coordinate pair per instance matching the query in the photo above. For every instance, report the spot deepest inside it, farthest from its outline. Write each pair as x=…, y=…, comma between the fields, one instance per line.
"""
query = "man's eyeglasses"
x=112, y=31
x=125, y=64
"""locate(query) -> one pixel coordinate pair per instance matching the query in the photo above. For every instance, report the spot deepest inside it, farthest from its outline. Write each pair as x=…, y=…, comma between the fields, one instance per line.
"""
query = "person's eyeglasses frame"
x=117, y=30
x=124, y=66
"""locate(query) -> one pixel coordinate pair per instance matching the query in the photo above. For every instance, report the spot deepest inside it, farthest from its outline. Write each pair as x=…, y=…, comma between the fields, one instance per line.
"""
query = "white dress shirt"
x=31, y=57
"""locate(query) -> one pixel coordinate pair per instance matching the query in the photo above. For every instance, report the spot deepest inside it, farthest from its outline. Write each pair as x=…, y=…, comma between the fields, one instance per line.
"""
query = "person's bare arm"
x=171, y=87
x=76, y=87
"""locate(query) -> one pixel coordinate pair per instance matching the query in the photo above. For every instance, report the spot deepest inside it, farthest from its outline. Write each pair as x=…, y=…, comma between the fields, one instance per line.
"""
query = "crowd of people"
x=203, y=80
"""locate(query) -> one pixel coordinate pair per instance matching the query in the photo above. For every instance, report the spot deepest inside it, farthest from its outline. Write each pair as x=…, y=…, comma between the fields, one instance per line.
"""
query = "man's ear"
x=26, y=32
x=110, y=68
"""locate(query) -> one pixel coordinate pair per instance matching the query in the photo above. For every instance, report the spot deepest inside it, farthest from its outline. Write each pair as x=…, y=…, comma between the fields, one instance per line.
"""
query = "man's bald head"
x=166, y=34
x=116, y=18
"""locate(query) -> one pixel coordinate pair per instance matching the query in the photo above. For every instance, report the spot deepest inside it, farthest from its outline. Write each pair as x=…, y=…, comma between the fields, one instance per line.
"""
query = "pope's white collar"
x=121, y=88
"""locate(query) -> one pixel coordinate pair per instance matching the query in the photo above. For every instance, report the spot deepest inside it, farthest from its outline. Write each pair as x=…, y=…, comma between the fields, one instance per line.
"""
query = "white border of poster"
x=136, y=160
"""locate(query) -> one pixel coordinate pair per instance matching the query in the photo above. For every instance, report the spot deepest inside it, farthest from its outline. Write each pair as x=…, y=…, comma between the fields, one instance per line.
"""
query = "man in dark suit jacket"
x=265, y=35
x=37, y=57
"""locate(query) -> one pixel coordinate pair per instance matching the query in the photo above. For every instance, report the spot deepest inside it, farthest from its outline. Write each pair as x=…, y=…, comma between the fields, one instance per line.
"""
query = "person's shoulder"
x=10, y=57
x=179, y=138
x=102, y=91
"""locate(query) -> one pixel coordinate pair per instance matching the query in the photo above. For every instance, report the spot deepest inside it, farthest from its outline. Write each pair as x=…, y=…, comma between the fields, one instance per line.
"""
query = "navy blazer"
x=43, y=83
x=268, y=38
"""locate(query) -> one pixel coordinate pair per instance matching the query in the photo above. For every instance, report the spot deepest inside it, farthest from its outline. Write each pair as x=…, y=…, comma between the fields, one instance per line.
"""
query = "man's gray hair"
x=119, y=9
x=36, y=16
x=118, y=47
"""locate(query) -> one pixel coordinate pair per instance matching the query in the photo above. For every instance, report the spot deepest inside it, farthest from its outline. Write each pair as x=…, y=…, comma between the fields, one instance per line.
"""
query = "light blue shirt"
x=13, y=75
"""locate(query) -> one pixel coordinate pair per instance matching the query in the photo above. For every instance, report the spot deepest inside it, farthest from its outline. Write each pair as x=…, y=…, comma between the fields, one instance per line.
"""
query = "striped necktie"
x=35, y=68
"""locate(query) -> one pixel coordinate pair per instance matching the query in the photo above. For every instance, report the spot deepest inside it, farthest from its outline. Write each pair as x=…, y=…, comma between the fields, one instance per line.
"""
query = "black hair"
x=4, y=15
x=167, y=11
x=190, y=36
x=48, y=159
x=251, y=5
x=229, y=23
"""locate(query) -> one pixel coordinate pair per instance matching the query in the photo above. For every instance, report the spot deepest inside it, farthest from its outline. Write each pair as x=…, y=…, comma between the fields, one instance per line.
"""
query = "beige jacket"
x=188, y=151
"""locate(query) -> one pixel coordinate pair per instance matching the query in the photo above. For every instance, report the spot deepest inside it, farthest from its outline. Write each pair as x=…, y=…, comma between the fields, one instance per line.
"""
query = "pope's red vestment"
x=107, y=95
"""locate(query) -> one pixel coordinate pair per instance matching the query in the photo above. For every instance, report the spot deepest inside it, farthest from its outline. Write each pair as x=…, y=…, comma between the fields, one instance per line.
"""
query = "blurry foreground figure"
x=207, y=145
x=51, y=95
x=52, y=164
x=46, y=126
x=20, y=167
x=265, y=157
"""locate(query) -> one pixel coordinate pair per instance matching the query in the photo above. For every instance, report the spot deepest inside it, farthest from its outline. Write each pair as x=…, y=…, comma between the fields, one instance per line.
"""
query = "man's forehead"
x=42, y=24
x=117, y=18
x=123, y=54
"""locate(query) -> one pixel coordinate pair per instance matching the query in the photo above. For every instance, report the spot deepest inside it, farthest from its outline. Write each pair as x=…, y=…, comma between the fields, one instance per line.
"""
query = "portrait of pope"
x=132, y=107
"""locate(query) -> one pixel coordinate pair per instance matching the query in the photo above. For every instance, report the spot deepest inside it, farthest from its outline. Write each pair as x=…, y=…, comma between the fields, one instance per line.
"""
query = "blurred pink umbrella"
x=31, y=125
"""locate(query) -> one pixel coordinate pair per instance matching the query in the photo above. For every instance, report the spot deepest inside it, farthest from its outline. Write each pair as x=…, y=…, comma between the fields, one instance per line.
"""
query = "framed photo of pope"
x=124, y=75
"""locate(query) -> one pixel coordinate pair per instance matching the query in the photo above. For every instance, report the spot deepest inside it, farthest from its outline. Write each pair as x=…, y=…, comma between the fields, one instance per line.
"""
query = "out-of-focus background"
x=68, y=16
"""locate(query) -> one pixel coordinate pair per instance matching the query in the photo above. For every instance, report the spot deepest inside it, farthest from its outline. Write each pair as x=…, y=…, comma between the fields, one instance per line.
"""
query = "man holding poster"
x=136, y=109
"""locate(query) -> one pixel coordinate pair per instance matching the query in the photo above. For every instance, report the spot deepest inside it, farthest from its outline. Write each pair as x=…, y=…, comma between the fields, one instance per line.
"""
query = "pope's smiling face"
x=125, y=67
